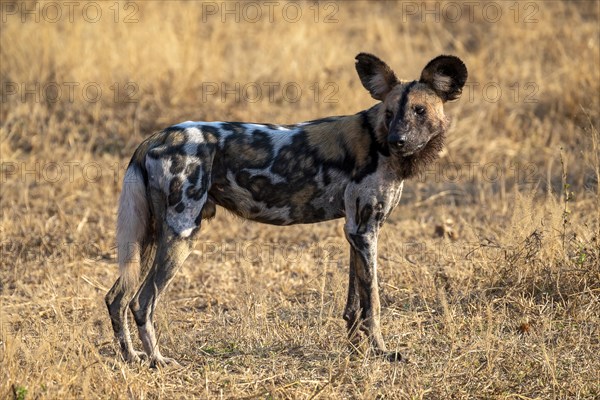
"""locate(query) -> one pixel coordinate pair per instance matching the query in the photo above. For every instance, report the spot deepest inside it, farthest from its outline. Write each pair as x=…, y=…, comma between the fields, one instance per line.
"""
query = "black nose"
x=397, y=140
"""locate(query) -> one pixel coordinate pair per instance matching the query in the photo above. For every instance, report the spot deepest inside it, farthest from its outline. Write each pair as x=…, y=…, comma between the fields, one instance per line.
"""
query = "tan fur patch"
x=211, y=138
x=304, y=196
x=246, y=151
x=176, y=138
x=328, y=137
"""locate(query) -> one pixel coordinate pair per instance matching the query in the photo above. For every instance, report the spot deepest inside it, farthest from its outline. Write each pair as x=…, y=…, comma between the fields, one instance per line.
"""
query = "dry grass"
x=490, y=277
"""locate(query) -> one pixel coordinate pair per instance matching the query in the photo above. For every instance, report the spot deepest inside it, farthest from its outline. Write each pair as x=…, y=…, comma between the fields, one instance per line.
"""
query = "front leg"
x=363, y=308
x=352, y=311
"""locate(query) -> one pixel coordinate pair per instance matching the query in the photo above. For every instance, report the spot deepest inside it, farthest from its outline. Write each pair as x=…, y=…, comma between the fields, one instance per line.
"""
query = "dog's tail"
x=132, y=225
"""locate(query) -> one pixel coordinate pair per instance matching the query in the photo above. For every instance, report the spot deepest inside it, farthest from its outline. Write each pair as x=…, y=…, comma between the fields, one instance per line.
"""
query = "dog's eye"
x=419, y=110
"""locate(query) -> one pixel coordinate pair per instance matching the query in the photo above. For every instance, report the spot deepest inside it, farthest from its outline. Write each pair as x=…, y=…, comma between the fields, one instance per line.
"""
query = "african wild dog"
x=348, y=166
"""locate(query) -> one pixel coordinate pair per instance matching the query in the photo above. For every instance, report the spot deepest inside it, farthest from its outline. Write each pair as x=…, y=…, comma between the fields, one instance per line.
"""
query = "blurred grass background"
x=489, y=267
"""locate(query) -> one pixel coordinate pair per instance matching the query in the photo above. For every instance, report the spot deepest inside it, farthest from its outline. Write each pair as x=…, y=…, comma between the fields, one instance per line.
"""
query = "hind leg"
x=171, y=253
x=172, y=248
x=117, y=300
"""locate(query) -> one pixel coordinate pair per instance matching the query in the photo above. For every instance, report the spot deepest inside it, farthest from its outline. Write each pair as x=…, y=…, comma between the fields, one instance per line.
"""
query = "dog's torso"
x=276, y=174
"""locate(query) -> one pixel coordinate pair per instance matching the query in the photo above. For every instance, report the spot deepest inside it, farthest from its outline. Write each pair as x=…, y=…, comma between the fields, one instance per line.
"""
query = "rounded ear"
x=375, y=75
x=446, y=75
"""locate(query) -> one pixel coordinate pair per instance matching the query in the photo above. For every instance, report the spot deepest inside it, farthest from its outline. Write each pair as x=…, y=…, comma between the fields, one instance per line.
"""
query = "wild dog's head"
x=411, y=122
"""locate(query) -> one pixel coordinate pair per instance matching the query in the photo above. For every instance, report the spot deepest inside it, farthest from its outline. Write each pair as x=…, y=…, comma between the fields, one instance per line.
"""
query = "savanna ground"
x=489, y=267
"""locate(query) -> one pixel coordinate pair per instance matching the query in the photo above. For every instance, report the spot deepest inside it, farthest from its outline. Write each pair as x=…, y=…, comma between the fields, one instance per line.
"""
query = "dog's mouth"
x=404, y=151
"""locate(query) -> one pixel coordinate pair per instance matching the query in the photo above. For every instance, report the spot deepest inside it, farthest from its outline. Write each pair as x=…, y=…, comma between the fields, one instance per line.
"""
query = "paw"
x=136, y=357
x=159, y=361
